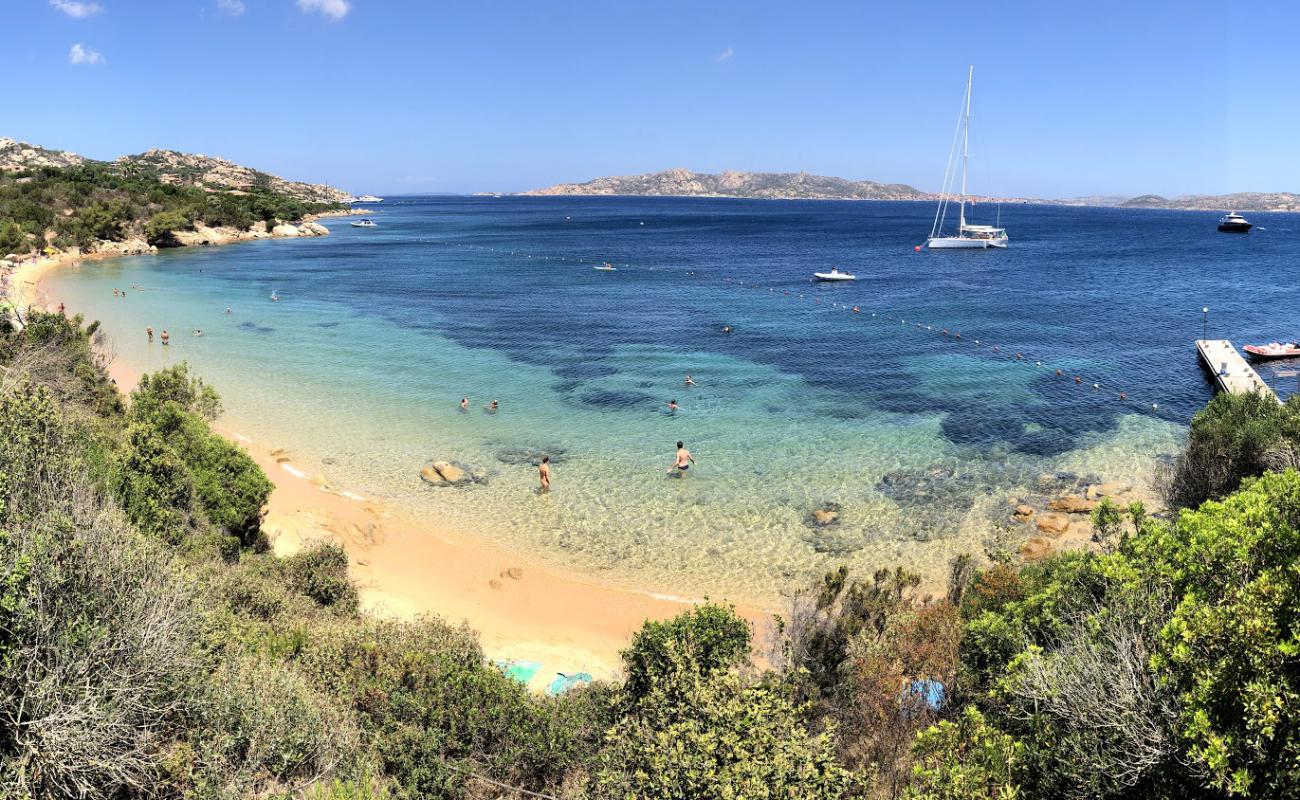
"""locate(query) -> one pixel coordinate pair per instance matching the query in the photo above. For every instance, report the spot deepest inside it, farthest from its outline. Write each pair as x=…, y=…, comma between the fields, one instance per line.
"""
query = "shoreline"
x=519, y=606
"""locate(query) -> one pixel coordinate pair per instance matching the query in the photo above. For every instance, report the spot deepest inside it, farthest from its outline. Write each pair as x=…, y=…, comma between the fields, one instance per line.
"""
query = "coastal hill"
x=803, y=186
x=762, y=185
x=171, y=167
x=56, y=204
x=1239, y=201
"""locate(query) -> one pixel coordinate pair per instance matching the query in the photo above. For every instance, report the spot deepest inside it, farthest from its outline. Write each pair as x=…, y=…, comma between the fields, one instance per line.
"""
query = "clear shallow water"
x=918, y=438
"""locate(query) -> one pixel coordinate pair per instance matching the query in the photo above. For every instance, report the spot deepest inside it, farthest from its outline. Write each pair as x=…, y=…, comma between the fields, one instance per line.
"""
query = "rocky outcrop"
x=445, y=473
x=1053, y=524
x=1072, y=505
x=764, y=185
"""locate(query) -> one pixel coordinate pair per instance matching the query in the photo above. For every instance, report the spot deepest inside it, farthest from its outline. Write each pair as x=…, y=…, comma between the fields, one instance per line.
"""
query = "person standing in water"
x=165, y=337
x=493, y=407
x=544, y=473
x=148, y=332
x=464, y=404
x=683, y=461
x=672, y=406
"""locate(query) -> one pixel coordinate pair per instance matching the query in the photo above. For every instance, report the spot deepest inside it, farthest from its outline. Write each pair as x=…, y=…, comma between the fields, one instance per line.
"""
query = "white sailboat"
x=968, y=236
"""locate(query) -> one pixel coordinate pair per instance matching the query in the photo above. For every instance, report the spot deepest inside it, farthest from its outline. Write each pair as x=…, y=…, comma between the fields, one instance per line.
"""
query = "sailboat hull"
x=960, y=243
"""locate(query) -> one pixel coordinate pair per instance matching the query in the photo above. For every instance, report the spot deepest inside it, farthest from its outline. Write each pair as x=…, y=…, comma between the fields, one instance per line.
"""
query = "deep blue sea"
x=920, y=438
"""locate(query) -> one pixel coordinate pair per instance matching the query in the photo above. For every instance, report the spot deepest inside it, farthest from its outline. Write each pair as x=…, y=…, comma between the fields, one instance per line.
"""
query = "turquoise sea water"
x=919, y=439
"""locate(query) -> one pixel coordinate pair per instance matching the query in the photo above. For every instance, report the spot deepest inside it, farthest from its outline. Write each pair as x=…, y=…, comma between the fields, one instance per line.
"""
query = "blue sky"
x=423, y=95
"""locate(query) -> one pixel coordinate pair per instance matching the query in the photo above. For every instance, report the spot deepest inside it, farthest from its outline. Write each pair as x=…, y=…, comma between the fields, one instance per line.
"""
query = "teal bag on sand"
x=519, y=669
x=564, y=683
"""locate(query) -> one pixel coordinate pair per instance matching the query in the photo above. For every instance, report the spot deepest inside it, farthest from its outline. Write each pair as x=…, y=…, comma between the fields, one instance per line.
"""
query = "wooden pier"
x=1230, y=369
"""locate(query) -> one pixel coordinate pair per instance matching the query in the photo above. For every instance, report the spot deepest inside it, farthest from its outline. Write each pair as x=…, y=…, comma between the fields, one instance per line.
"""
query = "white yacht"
x=368, y=198
x=967, y=236
x=1232, y=222
x=835, y=275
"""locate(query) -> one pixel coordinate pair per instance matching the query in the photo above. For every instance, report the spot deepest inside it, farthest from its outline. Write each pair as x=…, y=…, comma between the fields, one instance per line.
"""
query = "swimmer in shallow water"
x=492, y=407
x=198, y=332
x=464, y=404
x=689, y=382
x=672, y=406
x=683, y=461
x=544, y=473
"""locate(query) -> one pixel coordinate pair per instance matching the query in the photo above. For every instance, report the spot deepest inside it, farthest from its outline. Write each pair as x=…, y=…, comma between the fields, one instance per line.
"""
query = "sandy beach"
x=521, y=608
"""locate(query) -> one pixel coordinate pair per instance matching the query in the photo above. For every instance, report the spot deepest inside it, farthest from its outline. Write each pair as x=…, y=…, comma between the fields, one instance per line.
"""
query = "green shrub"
x=12, y=239
x=160, y=230
x=154, y=487
x=967, y=759
x=711, y=637
x=704, y=733
x=321, y=573
x=1235, y=436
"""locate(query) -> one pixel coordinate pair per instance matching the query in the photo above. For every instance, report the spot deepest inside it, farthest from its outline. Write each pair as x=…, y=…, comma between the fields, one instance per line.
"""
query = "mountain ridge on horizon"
x=679, y=182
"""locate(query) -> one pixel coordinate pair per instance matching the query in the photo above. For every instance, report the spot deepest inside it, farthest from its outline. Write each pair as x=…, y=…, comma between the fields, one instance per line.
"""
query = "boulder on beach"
x=284, y=229
x=1053, y=524
x=1072, y=504
x=445, y=473
x=1036, y=549
x=1023, y=513
x=1108, y=489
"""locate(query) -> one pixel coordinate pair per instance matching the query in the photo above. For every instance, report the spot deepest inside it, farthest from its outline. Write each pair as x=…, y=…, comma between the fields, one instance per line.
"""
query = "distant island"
x=804, y=186
x=760, y=185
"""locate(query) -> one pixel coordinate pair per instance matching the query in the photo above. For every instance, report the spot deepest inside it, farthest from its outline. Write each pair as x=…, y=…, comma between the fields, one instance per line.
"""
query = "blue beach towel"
x=564, y=683
x=518, y=669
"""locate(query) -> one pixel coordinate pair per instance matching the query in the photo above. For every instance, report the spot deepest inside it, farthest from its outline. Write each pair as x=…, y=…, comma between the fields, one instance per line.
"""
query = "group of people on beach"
x=681, y=462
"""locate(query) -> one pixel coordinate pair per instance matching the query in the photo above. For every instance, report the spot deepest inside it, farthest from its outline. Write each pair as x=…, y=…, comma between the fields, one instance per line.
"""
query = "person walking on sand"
x=148, y=332
x=165, y=338
x=544, y=473
x=683, y=461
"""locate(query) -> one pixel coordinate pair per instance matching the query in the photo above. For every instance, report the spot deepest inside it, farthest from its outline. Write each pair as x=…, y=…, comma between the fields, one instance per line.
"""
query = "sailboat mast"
x=965, y=150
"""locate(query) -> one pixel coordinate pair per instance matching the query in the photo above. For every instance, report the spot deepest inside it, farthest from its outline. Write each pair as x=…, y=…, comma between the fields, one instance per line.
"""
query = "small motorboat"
x=835, y=275
x=1265, y=352
x=606, y=267
x=364, y=223
x=1232, y=222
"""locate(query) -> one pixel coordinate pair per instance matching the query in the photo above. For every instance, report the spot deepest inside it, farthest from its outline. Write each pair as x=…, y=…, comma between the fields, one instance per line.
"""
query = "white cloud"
x=76, y=9
x=232, y=7
x=334, y=9
x=723, y=56
x=82, y=55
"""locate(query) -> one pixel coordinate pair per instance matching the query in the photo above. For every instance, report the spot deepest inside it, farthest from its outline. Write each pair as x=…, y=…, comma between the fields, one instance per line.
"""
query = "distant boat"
x=834, y=275
x=968, y=236
x=275, y=296
x=1232, y=222
x=606, y=267
x=364, y=223
x=1265, y=352
x=368, y=198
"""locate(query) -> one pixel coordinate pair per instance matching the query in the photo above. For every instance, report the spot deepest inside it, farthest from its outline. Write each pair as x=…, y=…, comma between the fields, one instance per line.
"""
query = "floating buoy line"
x=1094, y=387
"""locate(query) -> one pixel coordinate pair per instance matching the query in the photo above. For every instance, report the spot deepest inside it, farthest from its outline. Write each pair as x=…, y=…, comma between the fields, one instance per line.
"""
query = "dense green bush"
x=161, y=228
x=965, y=759
x=1235, y=436
x=713, y=637
x=321, y=573
x=707, y=733
x=13, y=240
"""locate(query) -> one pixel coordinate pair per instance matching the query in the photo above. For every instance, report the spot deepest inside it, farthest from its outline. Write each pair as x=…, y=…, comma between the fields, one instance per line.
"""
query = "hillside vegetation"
x=766, y=185
x=94, y=203
x=153, y=647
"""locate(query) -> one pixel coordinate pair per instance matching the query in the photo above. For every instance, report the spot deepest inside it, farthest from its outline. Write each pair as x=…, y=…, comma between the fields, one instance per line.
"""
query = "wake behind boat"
x=1272, y=350
x=968, y=236
x=834, y=275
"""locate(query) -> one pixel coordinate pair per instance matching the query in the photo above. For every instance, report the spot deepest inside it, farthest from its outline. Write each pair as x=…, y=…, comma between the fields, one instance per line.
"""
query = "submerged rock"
x=445, y=473
x=1053, y=524
x=519, y=456
x=933, y=487
x=1072, y=505
x=823, y=516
